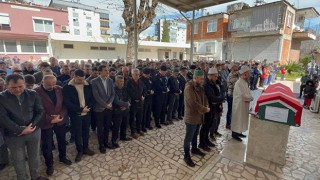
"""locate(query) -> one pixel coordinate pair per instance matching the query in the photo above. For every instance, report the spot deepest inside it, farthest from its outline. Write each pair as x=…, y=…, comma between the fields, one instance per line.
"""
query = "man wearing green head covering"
x=196, y=105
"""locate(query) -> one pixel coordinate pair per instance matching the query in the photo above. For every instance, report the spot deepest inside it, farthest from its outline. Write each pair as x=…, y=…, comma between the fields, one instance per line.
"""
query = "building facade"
x=24, y=29
x=177, y=30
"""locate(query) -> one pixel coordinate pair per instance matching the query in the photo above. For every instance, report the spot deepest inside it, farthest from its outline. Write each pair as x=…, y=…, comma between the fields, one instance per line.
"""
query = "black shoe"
x=50, y=170
x=237, y=138
x=204, y=147
x=79, y=157
x=144, y=130
x=210, y=144
x=88, y=152
x=115, y=145
x=66, y=161
x=170, y=122
x=242, y=135
x=165, y=123
x=126, y=139
x=2, y=166
x=198, y=152
x=150, y=128
x=212, y=137
x=180, y=118
x=228, y=127
x=158, y=126
x=218, y=134
x=189, y=162
x=109, y=146
x=41, y=178
x=103, y=150
x=175, y=118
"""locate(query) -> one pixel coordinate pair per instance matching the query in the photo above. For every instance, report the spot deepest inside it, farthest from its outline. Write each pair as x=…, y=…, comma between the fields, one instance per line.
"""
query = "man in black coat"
x=147, y=104
x=183, y=78
x=79, y=100
x=173, y=97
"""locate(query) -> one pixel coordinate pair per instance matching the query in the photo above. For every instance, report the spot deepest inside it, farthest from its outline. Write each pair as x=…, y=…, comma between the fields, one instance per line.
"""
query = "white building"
x=177, y=30
x=66, y=46
x=83, y=22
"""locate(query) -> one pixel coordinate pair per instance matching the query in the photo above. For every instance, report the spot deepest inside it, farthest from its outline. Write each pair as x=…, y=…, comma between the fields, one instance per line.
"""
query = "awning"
x=189, y=5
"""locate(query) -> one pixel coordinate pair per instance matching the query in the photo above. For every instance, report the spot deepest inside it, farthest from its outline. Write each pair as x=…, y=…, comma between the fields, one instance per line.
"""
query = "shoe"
x=41, y=178
x=103, y=150
x=242, y=135
x=109, y=146
x=204, y=147
x=88, y=152
x=237, y=138
x=210, y=144
x=189, y=162
x=2, y=166
x=67, y=143
x=71, y=140
x=134, y=135
x=175, y=118
x=144, y=130
x=212, y=137
x=170, y=122
x=50, y=170
x=141, y=133
x=150, y=128
x=158, y=126
x=115, y=145
x=165, y=123
x=79, y=157
x=180, y=118
x=228, y=126
x=198, y=152
x=218, y=134
x=126, y=139
x=66, y=161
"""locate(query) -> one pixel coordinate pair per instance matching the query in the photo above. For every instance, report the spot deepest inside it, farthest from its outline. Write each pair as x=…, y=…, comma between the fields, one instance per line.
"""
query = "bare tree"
x=145, y=16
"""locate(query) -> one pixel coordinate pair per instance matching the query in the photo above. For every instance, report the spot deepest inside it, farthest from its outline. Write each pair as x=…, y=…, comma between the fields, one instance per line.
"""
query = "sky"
x=116, y=6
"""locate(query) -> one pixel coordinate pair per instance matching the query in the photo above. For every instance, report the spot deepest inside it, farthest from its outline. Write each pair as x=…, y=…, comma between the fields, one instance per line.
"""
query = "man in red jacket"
x=52, y=121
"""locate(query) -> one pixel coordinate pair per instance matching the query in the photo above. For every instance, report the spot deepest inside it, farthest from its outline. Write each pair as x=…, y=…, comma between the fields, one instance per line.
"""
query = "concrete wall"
x=295, y=50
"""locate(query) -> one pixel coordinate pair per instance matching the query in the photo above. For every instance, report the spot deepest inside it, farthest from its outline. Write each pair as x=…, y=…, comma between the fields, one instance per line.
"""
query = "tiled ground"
x=158, y=155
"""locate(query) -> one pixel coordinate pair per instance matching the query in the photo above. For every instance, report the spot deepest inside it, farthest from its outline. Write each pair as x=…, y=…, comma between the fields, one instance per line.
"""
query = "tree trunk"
x=130, y=47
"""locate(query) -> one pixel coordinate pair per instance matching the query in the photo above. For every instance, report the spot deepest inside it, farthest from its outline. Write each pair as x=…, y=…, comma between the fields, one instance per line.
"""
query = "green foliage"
x=292, y=66
x=165, y=31
x=304, y=61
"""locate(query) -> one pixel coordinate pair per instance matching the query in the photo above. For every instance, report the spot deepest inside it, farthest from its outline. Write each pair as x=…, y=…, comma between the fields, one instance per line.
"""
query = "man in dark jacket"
x=21, y=111
x=173, y=97
x=121, y=107
x=182, y=81
x=214, y=99
x=65, y=74
x=52, y=121
x=147, y=104
x=79, y=101
x=135, y=91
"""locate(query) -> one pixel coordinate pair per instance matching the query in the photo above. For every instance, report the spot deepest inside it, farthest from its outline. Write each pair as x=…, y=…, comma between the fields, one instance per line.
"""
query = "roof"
x=189, y=5
x=98, y=39
x=309, y=12
x=65, y=4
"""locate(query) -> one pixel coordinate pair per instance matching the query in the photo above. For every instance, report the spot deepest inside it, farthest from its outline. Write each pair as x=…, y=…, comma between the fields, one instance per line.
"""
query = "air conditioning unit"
x=64, y=28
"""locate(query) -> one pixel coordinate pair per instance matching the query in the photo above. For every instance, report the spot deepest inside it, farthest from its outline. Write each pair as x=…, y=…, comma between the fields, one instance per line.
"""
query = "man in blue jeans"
x=194, y=96
x=20, y=111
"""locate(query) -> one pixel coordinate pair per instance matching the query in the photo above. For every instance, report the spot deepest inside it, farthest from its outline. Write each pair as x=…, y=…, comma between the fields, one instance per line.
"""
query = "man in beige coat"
x=196, y=105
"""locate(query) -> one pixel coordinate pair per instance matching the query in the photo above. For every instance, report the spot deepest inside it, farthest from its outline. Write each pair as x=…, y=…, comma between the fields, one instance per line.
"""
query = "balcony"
x=304, y=34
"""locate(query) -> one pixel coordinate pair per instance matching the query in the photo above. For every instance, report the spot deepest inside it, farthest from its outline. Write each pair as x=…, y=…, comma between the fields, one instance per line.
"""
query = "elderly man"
x=54, y=66
x=211, y=118
x=21, y=111
x=194, y=96
x=39, y=75
x=231, y=81
x=103, y=93
x=65, y=74
x=77, y=96
x=29, y=69
x=135, y=91
x=173, y=96
x=121, y=109
x=52, y=121
x=241, y=103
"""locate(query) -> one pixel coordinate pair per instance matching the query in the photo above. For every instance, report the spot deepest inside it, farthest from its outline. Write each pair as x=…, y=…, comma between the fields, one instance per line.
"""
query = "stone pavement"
x=159, y=155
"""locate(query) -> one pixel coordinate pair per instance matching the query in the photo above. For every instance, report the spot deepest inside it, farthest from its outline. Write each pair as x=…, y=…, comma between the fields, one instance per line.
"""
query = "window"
x=74, y=14
x=40, y=46
x=289, y=19
x=27, y=46
x=194, y=49
x=11, y=46
x=111, y=48
x=41, y=25
x=76, y=32
x=104, y=16
x=68, y=46
x=104, y=24
x=208, y=49
x=89, y=25
x=212, y=26
x=103, y=48
x=4, y=21
x=88, y=18
x=1, y=46
x=89, y=33
x=76, y=22
x=195, y=26
x=104, y=32
x=94, y=47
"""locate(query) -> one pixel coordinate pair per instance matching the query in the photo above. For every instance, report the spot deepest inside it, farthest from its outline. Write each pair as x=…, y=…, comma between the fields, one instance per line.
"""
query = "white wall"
x=216, y=48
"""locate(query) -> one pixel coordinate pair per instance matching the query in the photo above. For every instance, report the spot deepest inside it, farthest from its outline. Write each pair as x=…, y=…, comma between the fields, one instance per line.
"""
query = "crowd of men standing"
x=109, y=97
